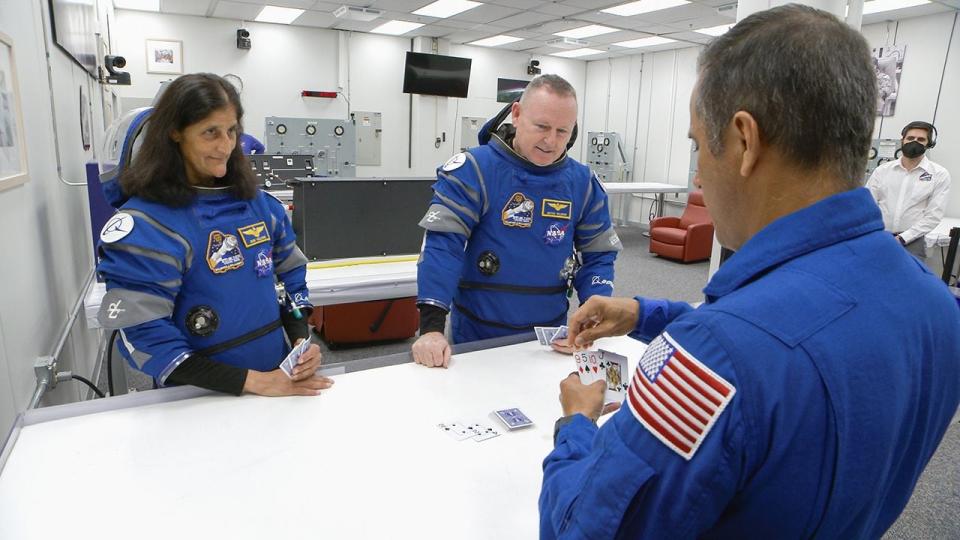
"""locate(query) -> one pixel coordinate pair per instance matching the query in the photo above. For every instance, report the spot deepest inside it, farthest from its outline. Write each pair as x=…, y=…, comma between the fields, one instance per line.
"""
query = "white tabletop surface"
x=330, y=282
x=940, y=236
x=363, y=460
x=642, y=187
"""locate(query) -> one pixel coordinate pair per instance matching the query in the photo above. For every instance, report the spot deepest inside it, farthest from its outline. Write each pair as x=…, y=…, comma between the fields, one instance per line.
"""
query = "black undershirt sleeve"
x=432, y=318
x=295, y=328
x=198, y=370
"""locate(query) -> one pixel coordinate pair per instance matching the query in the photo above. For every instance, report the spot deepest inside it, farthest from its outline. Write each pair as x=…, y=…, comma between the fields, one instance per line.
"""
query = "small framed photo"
x=164, y=56
x=13, y=150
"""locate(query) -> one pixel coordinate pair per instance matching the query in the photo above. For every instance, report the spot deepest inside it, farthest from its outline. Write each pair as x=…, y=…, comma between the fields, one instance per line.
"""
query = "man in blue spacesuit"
x=807, y=394
x=510, y=223
x=203, y=275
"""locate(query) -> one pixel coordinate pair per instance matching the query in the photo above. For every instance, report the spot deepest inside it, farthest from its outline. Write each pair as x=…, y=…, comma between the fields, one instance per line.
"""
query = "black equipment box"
x=274, y=171
x=339, y=218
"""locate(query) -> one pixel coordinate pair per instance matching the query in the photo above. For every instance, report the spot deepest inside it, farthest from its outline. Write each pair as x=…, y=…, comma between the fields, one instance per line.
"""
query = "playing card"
x=614, y=371
x=539, y=331
x=456, y=430
x=588, y=365
x=483, y=432
x=548, y=333
x=561, y=334
x=293, y=357
x=513, y=418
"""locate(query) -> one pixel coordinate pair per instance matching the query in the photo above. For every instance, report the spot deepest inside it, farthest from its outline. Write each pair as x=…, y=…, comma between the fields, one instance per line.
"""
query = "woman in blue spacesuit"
x=204, y=280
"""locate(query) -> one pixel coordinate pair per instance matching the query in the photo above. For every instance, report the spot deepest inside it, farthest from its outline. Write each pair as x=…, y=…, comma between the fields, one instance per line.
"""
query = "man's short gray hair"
x=807, y=79
x=554, y=83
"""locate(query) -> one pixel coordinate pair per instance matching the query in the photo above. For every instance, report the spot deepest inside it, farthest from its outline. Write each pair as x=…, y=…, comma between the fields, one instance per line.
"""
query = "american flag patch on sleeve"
x=676, y=397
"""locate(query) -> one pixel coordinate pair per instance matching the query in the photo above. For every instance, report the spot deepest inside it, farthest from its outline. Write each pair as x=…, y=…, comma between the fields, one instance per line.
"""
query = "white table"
x=940, y=236
x=625, y=188
x=363, y=460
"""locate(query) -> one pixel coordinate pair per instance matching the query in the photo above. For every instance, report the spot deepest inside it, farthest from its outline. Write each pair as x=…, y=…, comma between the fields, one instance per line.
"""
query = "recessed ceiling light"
x=877, y=6
x=141, y=5
x=396, y=28
x=446, y=8
x=645, y=42
x=643, y=6
x=578, y=53
x=281, y=15
x=715, y=30
x=495, y=41
x=586, y=31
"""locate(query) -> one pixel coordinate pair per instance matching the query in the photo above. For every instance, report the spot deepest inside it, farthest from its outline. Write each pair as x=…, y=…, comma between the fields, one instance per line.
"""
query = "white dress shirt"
x=911, y=202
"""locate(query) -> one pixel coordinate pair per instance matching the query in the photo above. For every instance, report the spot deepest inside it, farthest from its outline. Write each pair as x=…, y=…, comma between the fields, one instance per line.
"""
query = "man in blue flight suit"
x=509, y=223
x=807, y=394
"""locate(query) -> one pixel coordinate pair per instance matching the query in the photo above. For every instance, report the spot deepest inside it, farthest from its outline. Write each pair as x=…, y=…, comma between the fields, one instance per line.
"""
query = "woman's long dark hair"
x=157, y=172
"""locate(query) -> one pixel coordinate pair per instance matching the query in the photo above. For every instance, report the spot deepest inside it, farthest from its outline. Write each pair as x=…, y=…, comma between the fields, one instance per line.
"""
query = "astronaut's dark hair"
x=157, y=172
x=555, y=83
x=807, y=79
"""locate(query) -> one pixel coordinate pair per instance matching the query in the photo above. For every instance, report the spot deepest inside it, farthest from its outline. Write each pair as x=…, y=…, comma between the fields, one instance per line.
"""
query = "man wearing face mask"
x=912, y=191
x=509, y=223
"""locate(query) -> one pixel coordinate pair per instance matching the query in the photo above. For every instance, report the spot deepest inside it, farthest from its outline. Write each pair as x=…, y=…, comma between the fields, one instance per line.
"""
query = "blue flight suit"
x=500, y=241
x=840, y=358
x=182, y=280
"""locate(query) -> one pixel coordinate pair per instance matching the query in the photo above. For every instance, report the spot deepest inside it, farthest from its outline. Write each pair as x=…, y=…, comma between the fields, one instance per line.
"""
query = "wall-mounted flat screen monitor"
x=436, y=75
x=74, y=24
x=508, y=90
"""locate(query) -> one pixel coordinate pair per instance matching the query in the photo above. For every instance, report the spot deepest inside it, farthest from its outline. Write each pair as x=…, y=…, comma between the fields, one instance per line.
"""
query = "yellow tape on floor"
x=356, y=262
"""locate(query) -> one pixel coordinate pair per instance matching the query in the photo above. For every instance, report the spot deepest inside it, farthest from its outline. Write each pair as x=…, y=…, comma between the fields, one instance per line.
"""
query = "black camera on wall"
x=243, y=38
x=533, y=68
x=113, y=64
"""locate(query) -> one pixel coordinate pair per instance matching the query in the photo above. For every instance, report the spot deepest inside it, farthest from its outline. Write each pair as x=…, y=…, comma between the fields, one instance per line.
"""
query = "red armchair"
x=686, y=238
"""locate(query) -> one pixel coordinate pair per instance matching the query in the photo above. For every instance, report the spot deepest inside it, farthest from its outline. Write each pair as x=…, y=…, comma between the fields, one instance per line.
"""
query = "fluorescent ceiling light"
x=643, y=6
x=578, y=53
x=586, y=31
x=645, y=42
x=281, y=15
x=877, y=6
x=715, y=30
x=495, y=41
x=395, y=28
x=446, y=8
x=141, y=5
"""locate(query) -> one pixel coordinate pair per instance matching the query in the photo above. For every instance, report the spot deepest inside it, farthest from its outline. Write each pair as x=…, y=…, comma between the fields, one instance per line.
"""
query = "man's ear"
x=515, y=112
x=746, y=133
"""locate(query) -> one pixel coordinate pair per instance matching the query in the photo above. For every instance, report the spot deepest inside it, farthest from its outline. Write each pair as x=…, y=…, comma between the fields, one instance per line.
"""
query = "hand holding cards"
x=550, y=334
x=600, y=365
x=293, y=358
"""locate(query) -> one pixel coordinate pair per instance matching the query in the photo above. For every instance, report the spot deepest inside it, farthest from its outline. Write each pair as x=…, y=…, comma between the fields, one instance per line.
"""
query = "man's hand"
x=432, y=350
x=585, y=399
x=602, y=316
x=276, y=383
x=308, y=363
x=564, y=346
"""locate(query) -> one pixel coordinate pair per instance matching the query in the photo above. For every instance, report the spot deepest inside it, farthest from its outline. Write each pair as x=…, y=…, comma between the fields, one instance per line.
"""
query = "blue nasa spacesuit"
x=251, y=145
x=200, y=280
x=501, y=239
x=803, y=399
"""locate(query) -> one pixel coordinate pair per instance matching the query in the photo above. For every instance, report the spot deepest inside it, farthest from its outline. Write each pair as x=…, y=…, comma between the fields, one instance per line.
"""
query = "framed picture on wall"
x=888, y=65
x=13, y=150
x=164, y=56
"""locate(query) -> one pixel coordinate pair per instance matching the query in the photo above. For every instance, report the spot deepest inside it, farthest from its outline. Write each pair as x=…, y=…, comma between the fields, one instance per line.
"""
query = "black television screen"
x=509, y=90
x=436, y=75
x=74, y=25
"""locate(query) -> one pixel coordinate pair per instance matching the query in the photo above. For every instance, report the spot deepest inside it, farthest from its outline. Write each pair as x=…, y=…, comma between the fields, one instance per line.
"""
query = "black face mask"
x=914, y=149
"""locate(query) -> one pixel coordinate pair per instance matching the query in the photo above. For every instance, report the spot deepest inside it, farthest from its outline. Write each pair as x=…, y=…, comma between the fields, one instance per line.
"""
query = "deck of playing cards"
x=291, y=360
x=604, y=365
x=513, y=418
x=549, y=334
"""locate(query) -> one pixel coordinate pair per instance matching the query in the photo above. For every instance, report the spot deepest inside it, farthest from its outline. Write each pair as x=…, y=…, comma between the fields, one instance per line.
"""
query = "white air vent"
x=355, y=13
x=567, y=43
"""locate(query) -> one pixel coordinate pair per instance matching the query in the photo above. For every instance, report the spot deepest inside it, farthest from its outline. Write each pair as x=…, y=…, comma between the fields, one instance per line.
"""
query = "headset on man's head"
x=493, y=124
x=920, y=124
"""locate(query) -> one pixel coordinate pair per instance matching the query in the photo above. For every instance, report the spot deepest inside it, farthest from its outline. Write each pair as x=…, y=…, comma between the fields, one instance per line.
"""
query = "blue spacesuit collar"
x=502, y=147
x=832, y=220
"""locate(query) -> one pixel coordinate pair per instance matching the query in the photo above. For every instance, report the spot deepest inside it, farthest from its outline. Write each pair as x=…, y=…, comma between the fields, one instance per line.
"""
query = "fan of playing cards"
x=604, y=365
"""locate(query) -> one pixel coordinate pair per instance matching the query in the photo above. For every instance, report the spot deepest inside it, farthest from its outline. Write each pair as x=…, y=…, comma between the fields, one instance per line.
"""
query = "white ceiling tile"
x=466, y=36
x=593, y=4
x=558, y=10
x=299, y=4
x=408, y=6
x=185, y=7
x=519, y=4
x=357, y=26
x=236, y=10
x=485, y=14
x=898, y=14
x=525, y=19
x=432, y=30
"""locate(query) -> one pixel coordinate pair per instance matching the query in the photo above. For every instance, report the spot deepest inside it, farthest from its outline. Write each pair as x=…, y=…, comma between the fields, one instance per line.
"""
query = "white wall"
x=287, y=59
x=45, y=222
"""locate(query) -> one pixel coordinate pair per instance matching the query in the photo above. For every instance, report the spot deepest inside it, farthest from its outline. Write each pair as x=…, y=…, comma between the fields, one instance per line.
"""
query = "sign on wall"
x=888, y=64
